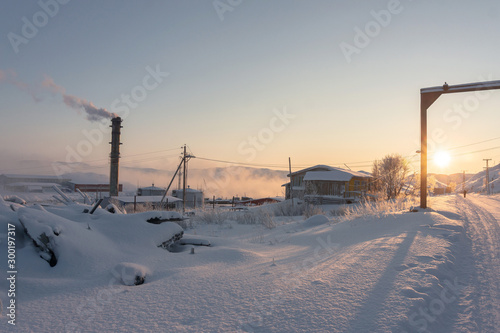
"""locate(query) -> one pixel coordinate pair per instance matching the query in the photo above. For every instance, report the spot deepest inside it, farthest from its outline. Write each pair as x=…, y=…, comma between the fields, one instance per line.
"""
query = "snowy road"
x=482, y=224
x=432, y=271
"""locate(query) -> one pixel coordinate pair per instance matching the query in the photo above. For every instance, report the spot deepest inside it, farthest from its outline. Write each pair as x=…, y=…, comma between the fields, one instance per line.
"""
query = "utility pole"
x=291, y=185
x=179, y=178
x=184, y=183
x=487, y=175
x=463, y=183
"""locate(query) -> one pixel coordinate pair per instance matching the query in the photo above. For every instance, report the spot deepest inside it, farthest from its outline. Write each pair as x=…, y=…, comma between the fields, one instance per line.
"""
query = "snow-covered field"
x=429, y=271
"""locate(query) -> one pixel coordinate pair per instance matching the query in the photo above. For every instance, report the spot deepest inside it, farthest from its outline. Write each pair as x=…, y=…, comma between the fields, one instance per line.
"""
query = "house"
x=326, y=184
x=441, y=188
x=150, y=191
x=194, y=198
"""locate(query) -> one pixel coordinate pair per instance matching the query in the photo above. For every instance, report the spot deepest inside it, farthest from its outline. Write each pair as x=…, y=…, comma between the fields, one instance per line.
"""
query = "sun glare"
x=442, y=159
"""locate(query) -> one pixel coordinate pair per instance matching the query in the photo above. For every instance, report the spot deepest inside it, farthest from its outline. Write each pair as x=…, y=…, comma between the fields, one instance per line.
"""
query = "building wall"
x=94, y=187
x=317, y=187
x=194, y=199
x=358, y=184
x=9, y=179
x=149, y=192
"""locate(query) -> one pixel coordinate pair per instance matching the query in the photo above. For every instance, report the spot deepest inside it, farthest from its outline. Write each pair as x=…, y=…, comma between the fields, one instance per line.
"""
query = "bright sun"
x=442, y=158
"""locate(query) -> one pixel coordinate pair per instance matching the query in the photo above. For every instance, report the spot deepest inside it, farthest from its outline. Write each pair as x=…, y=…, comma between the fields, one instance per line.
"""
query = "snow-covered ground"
x=429, y=271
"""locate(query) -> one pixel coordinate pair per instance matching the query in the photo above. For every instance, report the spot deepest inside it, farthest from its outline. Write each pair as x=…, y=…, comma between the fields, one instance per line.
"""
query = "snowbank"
x=404, y=271
x=79, y=244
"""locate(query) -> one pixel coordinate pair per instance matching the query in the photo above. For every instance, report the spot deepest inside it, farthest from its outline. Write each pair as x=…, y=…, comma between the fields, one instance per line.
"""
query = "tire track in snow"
x=482, y=226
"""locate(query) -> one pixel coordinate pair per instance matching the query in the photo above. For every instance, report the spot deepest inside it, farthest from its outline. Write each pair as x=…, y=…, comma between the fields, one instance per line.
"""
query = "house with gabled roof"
x=325, y=184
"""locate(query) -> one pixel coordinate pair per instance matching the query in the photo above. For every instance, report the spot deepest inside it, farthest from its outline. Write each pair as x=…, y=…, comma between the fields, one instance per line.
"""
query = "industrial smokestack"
x=115, y=155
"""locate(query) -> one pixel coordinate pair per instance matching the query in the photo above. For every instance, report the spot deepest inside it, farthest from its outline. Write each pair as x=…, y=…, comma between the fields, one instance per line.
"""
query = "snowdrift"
x=75, y=243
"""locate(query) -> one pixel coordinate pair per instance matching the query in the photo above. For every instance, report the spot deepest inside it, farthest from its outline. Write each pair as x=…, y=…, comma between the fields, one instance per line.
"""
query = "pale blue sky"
x=228, y=77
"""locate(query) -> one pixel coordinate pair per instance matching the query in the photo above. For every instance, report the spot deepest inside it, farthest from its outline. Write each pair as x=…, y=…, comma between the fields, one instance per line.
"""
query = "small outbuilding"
x=150, y=191
x=194, y=198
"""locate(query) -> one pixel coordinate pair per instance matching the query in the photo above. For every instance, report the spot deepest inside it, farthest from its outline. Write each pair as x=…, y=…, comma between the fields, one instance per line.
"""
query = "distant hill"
x=457, y=178
x=477, y=182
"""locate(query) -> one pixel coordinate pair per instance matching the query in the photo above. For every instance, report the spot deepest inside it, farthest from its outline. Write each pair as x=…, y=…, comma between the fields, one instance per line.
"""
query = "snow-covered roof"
x=189, y=190
x=339, y=175
x=33, y=184
x=325, y=168
x=319, y=166
x=152, y=188
x=11, y=175
x=146, y=198
x=89, y=182
x=439, y=184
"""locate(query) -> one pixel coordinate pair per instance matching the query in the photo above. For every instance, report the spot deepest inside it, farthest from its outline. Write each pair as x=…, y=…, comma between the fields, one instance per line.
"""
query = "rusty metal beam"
x=427, y=97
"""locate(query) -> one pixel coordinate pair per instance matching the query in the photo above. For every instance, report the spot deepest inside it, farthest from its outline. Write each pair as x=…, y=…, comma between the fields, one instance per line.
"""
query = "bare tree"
x=390, y=175
x=376, y=185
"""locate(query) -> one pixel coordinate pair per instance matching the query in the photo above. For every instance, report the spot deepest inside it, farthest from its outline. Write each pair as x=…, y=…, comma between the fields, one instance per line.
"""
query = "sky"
x=250, y=83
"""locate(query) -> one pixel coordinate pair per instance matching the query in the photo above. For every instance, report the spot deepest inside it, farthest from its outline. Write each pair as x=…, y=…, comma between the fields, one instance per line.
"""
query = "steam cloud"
x=221, y=182
x=93, y=113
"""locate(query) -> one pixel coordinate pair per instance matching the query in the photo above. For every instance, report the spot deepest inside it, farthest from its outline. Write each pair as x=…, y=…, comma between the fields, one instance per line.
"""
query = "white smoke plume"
x=92, y=112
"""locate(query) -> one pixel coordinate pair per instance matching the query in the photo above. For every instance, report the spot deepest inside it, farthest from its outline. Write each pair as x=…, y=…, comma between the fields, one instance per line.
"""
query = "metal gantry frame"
x=427, y=97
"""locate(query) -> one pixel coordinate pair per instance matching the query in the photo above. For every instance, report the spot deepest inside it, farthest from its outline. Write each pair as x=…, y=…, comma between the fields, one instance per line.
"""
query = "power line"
x=476, y=151
x=473, y=144
x=241, y=163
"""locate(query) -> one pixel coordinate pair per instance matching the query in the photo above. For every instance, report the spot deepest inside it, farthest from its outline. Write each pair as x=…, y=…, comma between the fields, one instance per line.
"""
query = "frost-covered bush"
x=341, y=211
x=247, y=217
x=256, y=216
x=266, y=218
x=211, y=216
x=311, y=210
x=380, y=207
x=286, y=208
